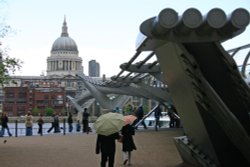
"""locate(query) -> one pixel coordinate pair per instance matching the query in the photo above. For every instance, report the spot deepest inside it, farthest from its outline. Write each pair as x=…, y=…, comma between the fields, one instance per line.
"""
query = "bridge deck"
x=153, y=149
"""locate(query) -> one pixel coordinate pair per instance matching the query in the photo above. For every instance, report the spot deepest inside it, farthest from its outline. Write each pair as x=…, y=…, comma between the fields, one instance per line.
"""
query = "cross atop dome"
x=64, y=28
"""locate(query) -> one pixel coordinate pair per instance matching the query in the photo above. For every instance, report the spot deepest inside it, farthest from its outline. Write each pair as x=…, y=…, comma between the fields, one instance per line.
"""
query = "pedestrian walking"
x=157, y=114
x=174, y=119
x=40, y=123
x=106, y=146
x=128, y=144
x=55, y=124
x=85, y=121
x=52, y=123
x=4, y=123
x=134, y=112
x=29, y=124
x=140, y=115
x=70, y=122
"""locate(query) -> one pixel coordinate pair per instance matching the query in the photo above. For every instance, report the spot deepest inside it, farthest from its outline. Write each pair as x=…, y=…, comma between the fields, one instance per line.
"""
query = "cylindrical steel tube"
x=216, y=18
x=166, y=20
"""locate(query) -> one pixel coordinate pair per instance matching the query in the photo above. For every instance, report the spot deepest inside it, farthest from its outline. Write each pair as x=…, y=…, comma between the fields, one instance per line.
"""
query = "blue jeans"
x=3, y=131
x=29, y=131
x=70, y=127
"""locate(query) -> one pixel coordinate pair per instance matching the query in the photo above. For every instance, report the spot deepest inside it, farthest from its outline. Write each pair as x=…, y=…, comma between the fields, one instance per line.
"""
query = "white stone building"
x=64, y=59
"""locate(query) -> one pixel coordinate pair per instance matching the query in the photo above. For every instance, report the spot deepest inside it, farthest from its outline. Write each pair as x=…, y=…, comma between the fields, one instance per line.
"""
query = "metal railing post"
x=16, y=128
x=41, y=130
x=64, y=126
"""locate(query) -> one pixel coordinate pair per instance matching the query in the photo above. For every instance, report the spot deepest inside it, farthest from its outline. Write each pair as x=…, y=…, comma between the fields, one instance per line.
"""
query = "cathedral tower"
x=64, y=59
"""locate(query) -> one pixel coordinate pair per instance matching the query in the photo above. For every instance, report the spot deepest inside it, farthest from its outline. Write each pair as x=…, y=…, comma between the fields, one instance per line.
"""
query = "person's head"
x=85, y=109
x=28, y=113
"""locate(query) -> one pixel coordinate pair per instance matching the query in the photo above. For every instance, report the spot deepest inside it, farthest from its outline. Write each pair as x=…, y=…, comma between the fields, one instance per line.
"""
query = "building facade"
x=19, y=100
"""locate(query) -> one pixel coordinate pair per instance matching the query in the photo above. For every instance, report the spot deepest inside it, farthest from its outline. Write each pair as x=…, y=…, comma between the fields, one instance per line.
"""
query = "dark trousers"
x=3, y=131
x=157, y=123
x=52, y=127
x=138, y=120
x=85, y=126
x=110, y=157
x=70, y=127
x=40, y=129
x=143, y=123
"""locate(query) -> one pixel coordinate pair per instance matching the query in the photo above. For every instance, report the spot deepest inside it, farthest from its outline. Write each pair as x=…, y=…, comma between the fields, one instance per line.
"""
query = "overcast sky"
x=103, y=30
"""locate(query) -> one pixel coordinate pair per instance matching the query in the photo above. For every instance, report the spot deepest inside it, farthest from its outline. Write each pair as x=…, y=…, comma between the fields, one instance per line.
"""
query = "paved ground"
x=154, y=149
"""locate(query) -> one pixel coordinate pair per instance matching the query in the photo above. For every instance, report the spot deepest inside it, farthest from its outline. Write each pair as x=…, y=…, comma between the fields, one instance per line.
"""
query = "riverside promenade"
x=154, y=149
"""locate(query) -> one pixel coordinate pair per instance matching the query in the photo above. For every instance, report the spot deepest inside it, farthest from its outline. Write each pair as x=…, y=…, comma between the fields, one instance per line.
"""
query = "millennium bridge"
x=183, y=63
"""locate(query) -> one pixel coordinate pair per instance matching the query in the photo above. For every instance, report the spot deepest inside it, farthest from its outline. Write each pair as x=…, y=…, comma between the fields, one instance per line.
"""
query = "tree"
x=49, y=111
x=8, y=65
x=35, y=111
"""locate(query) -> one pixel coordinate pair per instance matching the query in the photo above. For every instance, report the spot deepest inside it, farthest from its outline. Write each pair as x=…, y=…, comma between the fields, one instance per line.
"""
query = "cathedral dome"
x=64, y=42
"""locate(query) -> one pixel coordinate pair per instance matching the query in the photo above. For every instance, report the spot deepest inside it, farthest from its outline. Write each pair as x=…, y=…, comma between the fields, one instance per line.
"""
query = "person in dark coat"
x=128, y=144
x=85, y=121
x=4, y=123
x=157, y=114
x=52, y=123
x=174, y=119
x=56, y=124
x=70, y=122
x=140, y=115
x=40, y=123
x=106, y=145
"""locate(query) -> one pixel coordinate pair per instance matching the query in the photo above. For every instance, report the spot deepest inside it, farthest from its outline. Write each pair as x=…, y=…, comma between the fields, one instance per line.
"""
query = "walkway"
x=154, y=149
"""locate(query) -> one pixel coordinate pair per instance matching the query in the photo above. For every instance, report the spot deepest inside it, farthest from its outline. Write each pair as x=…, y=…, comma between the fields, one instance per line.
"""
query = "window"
x=9, y=94
x=22, y=94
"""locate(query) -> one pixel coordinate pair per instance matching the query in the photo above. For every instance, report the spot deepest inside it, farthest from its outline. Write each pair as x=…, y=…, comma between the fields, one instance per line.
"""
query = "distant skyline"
x=105, y=31
x=94, y=69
